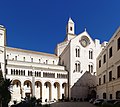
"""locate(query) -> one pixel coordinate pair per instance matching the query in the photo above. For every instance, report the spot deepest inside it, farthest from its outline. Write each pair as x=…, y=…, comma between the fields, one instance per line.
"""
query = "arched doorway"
x=64, y=90
x=56, y=94
x=93, y=94
x=104, y=95
x=17, y=92
x=47, y=90
x=38, y=89
x=27, y=89
x=118, y=95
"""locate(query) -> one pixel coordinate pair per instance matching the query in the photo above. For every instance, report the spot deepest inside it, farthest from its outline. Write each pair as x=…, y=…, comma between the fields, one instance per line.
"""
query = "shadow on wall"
x=85, y=87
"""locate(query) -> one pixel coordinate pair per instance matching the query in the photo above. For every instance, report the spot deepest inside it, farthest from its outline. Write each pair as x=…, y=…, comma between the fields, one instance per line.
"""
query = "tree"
x=5, y=94
x=1, y=82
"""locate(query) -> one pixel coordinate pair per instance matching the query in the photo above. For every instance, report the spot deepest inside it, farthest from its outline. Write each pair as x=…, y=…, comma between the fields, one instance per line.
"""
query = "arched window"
x=31, y=59
x=16, y=72
x=71, y=28
x=39, y=60
x=77, y=66
x=23, y=58
x=19, y=72
x=91, y=54
x=46, y=61
x=31, y=73
x=11, y=71
x=15, y=57
x=90, y=67
x=37, y=74
x=77, y=51
x=24, y=72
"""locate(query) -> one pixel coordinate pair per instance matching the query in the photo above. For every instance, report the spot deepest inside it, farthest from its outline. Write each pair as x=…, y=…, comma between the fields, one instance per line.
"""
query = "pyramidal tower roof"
x=70, y=20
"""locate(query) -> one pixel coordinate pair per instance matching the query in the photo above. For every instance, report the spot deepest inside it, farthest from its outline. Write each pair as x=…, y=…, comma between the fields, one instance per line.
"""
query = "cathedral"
x=70, y=73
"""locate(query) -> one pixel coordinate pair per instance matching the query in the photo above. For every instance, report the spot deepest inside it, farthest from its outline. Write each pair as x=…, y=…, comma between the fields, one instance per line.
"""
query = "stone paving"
x=72, y=104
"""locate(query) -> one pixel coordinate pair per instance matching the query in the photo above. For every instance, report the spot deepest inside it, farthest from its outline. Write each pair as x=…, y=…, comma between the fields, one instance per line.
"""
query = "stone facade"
x=108, y=69
x=69, y=73
x=78, y=54
x=35, y=74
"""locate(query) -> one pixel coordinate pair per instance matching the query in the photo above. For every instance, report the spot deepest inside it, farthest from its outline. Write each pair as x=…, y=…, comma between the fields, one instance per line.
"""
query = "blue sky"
x=40, y=24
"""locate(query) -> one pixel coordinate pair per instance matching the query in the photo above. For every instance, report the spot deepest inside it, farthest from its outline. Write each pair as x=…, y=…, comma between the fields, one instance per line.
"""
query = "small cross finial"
x=85, y=29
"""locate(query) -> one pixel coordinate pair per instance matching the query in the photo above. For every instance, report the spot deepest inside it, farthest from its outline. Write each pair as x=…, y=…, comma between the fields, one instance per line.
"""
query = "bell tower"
x=2, y=50
x=70, y=29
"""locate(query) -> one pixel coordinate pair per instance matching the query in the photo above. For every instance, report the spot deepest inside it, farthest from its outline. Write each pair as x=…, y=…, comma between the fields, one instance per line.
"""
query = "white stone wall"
x=83, y=59
x=51, y=92
x=38, y=57
x=68, y=58
x=68, y=55
x=16, y=90
x=2, y=49
x=60, y=47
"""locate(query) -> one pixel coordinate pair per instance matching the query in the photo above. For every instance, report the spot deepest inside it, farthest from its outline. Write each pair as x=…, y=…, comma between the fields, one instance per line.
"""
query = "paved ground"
x=72, y=104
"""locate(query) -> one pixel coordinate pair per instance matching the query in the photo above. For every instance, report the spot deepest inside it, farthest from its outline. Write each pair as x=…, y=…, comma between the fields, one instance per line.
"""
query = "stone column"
x=21, y=89
x=43, y=93
x=33, y=82
x=60, y=90
x=52, y=91
x=41, y=73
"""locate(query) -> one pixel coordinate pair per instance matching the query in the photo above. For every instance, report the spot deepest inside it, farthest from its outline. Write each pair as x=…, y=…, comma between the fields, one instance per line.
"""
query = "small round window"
x=84, y=41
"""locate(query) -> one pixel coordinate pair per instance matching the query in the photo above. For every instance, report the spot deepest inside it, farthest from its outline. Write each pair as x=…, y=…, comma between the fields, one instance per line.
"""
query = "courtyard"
x=72, y=104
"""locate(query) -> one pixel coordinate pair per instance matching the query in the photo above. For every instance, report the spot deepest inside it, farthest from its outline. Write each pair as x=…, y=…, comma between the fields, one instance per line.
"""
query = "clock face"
x=83, y=42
